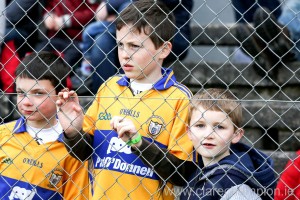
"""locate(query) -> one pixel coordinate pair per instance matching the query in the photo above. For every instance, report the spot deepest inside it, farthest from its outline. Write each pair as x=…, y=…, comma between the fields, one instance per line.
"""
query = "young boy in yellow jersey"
x=147, y=94
x=34, y=163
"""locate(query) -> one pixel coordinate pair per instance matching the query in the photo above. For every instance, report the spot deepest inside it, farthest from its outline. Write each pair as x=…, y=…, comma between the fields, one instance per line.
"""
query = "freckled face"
x=138, y=56
x=211, y=132
x=36, y=102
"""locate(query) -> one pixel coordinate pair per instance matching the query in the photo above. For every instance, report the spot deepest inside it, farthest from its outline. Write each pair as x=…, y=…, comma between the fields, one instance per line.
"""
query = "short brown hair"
x=44, y=66
x=217, y=99
x=152, y=17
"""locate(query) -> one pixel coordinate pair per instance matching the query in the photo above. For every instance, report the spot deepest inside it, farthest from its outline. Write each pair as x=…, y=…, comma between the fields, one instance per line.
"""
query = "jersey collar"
x=20, y=127
x=164, y=83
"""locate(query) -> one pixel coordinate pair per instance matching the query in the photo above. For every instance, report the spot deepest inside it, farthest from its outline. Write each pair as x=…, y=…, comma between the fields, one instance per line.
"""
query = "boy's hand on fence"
x=125, y=128
x=70, y=113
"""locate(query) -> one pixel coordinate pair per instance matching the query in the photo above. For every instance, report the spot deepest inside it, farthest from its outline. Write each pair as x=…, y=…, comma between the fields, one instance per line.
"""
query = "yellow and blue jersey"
x=32, y=171
x=160, y=115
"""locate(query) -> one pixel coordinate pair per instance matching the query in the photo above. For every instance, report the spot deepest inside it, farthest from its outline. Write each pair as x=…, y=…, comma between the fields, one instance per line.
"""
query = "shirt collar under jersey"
x=167, y=81
x=20, y=127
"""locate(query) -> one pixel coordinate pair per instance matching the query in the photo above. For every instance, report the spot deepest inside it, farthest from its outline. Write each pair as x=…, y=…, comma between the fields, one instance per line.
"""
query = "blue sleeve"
x=17, y=9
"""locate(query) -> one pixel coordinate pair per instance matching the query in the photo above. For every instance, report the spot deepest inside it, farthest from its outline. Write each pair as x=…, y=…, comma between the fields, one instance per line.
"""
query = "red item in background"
x=9, y=62
x=288, y=187
x=69, y=83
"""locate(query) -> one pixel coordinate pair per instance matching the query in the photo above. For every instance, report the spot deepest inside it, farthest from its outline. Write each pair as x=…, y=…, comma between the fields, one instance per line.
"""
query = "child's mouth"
x=27, y=112
x=127, y=67
x=208, y=145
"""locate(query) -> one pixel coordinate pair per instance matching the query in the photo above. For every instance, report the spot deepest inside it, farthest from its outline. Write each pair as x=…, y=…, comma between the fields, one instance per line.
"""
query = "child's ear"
x=237, y=135
x=165, y=50
x=187, y=129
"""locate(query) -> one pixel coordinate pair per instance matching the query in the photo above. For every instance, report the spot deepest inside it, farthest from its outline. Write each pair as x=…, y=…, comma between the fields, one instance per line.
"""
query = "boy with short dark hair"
x=34, y=162
x=148, y=95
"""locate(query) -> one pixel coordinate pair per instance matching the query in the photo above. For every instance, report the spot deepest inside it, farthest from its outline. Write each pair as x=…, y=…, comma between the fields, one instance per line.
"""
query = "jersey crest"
x=55, y=177
x=154, y=128
x=155, y=125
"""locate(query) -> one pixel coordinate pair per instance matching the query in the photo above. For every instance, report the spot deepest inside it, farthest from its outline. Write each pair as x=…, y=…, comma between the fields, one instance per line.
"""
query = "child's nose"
x=27, y=100
x=124, y=53
x=209, y=132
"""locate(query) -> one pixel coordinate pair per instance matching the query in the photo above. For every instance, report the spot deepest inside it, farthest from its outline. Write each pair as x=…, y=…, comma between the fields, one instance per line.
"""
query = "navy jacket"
x=245, y=165
x=22, y=20
x=23, y=14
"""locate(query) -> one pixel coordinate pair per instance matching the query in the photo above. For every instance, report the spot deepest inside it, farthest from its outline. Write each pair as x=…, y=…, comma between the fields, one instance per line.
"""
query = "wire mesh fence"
x=135, y=129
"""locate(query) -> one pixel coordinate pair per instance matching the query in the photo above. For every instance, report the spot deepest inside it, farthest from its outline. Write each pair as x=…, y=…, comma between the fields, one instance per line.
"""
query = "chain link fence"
x=249, y=50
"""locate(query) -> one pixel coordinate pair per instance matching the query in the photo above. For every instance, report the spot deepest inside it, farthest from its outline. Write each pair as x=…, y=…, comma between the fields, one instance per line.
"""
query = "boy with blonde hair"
x=226, y=169
x=229, y=169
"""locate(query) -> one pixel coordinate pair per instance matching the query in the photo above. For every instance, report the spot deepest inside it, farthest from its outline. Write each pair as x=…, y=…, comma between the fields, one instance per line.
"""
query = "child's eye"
x=135, y=47
x=219, y=127
x=199, y=125
x=21, y=93
x=35, y=94
x=39, y=94
x=120, y=45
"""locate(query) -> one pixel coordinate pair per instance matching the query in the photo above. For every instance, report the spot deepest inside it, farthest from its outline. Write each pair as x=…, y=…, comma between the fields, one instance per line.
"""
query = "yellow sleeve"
x=91, y=116
x=179, y=142
x=76, y=181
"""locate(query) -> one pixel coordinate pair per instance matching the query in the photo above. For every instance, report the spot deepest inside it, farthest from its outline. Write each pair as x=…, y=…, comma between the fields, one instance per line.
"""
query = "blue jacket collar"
x=251, y=161
x=164, y=83
x=20, y=127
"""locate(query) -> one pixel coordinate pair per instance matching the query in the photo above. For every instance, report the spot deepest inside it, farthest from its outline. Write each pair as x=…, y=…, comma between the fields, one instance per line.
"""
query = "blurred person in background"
x=64, y=22
x=244, y=10
x=21, y=33
x=272, y=42
x=98, y=43
x=243, y=13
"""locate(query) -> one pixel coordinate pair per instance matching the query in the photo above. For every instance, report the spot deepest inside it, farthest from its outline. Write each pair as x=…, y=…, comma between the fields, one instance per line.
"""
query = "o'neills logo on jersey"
x=55, y=177
x=33, y=162
x=155, y=125
x=130, y=112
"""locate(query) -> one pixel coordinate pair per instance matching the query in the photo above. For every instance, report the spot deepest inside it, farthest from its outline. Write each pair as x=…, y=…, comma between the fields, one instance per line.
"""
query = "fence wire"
x=250, y=51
